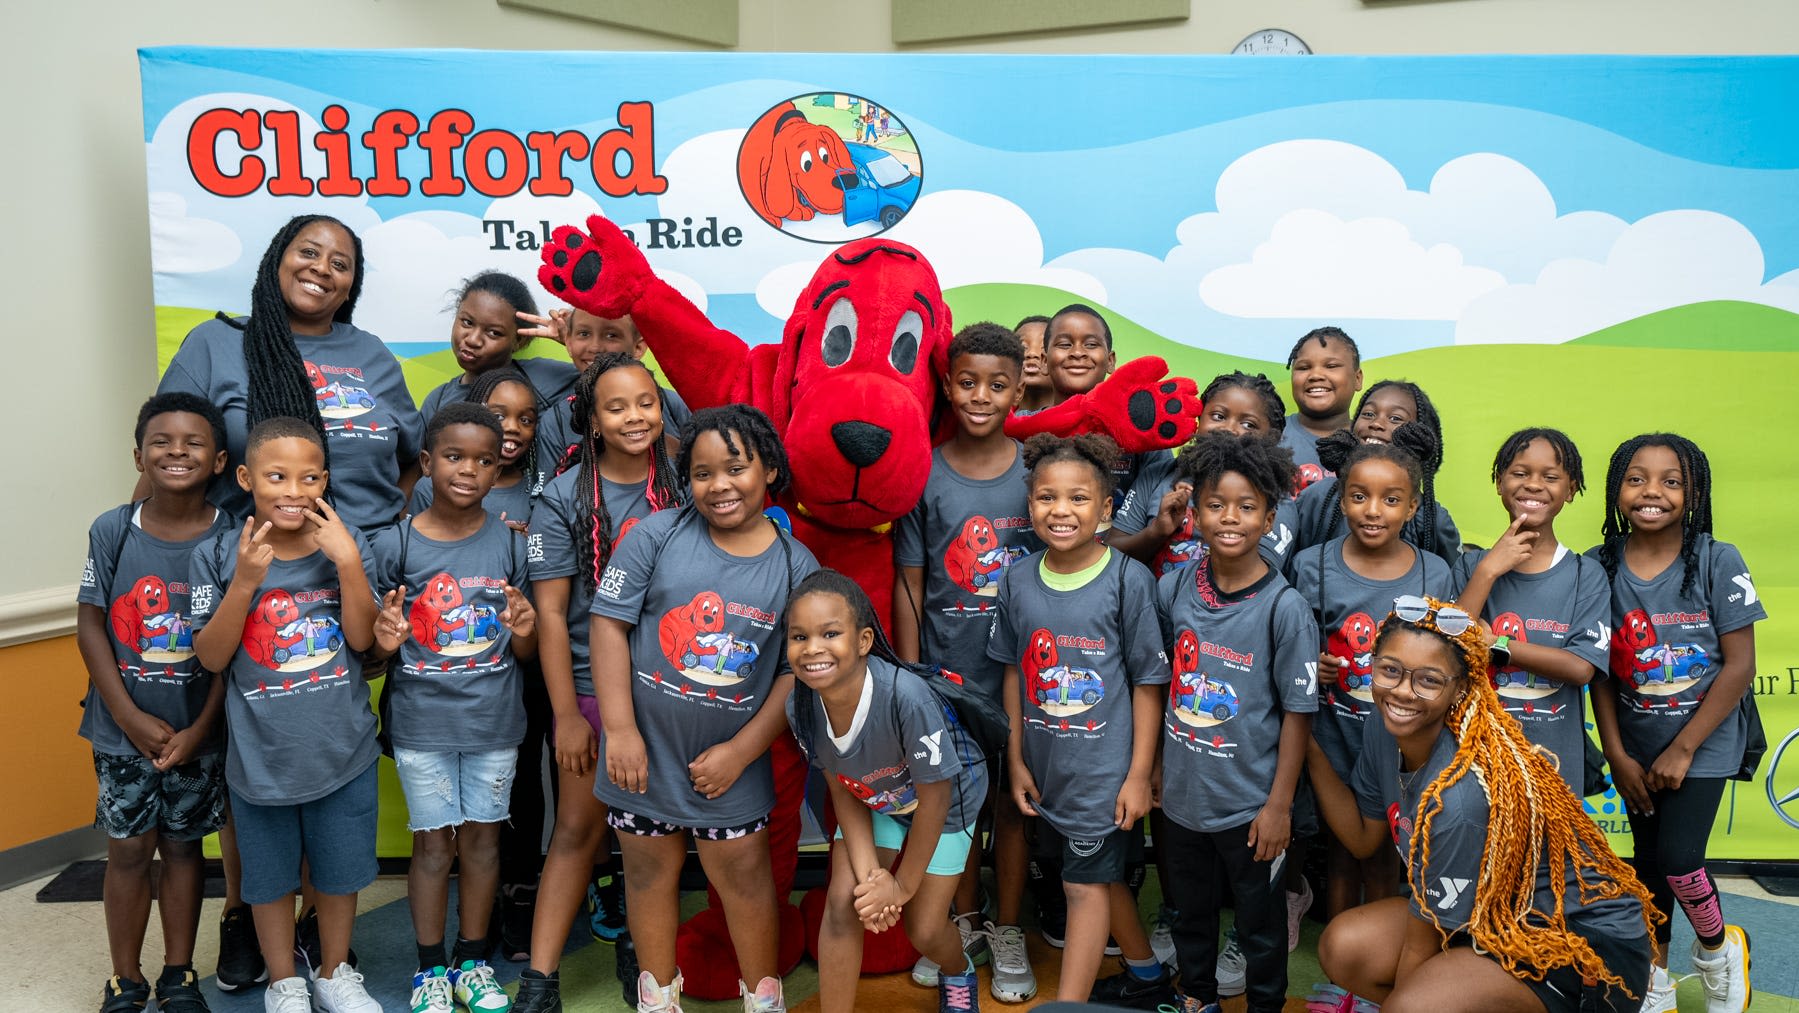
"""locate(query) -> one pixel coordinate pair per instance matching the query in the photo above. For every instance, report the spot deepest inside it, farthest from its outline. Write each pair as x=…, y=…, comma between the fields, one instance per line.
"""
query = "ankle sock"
x=431, y=955
x=1149, y=969
x=469, y=949
x=174, y=974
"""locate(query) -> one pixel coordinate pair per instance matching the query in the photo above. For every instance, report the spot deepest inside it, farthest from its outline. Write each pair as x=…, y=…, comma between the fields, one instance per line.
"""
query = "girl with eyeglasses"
x=1517, y=901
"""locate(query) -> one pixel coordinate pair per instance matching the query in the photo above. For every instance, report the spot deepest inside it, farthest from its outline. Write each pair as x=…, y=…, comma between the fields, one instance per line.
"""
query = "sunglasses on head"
x=1449, y=620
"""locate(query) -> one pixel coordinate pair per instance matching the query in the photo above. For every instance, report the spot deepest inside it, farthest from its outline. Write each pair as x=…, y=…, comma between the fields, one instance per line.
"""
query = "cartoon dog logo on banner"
x=852, y=387
x=792, y=168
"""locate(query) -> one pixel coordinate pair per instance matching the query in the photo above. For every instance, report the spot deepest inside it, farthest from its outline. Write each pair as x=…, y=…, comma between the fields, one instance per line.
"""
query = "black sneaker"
x=240, y=956
x=1053, y=924
x=180, y=993
x=307, y=951
x=515, y=912
x=606, y=907
x=1127, y=989
x=626, y=956
x=541, y=993
x=122, y=995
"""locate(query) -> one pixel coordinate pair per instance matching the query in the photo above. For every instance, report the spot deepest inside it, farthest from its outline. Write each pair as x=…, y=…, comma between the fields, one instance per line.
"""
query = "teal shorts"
x=950, y=858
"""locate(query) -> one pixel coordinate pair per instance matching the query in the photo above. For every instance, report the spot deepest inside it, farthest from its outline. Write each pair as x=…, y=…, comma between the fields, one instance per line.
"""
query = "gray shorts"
x=182, y=803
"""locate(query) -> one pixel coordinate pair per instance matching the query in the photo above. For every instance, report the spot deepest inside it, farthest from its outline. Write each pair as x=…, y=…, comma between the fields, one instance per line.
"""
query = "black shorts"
x=1099, y=861
x=1562, y=990
x=638, y=825
x=182, y=803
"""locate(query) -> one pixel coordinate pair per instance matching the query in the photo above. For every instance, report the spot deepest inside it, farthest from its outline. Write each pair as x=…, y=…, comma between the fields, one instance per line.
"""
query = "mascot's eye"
x=823, y=155
x=905, y=342
x=840, y=333
x=805, y=161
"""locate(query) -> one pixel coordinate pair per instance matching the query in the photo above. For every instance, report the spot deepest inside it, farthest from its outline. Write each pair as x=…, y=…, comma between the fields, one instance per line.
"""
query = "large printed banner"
x=1607, y=245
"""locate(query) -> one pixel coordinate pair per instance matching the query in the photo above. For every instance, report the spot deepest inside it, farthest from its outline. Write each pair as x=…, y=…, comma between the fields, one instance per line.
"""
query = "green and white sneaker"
x=476, y=990
x=432, y=992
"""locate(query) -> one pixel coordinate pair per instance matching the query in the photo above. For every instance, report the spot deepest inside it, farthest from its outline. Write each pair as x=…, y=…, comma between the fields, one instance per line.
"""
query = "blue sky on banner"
x=1221, y=202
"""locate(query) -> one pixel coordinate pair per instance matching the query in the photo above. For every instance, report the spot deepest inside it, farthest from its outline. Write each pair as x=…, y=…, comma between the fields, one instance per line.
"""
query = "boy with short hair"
x=454, y=614
x=950, y=552
x=152, y=712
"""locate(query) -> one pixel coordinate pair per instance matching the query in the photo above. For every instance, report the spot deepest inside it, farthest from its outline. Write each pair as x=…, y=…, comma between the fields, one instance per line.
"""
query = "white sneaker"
x=653, y=997
x=476, y=990
x=1297, y=906
x=1726, y=976
x=767, y=997
x=1012, y=977
x=1660, y=997
x=343, y=993
x=1161, y=937
x=1233, y=969
x=289, y=995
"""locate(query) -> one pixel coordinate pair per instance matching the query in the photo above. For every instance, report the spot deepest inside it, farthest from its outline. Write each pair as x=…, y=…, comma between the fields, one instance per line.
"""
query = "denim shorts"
x=949, y=859
x=450, y=789
x=334, y=836
x=182, y=803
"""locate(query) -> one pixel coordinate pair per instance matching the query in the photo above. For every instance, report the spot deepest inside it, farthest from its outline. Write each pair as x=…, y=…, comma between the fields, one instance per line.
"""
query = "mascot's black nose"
x=861, y=443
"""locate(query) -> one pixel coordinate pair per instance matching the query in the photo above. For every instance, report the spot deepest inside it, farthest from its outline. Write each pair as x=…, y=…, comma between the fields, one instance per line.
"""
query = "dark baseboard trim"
x=50, y=855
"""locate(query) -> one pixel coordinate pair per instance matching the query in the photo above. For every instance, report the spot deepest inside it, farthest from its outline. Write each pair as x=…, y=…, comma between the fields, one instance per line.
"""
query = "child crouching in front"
x=899, y=773
x=282, y=610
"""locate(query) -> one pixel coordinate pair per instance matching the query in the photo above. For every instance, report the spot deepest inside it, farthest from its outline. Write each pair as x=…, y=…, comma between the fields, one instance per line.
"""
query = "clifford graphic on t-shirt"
x=1654, y=668
x=1059, y=688
x=444, y=622
x=695, y=641
x=975, y=560
x=143, y=617
x=1199, y=699
x=280, y=637
x=338, y=392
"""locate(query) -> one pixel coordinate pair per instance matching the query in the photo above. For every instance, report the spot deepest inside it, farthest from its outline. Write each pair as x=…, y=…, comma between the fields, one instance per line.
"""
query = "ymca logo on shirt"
x=144, y=619
x=295, y=634
x=975, y=560
x=1199, y=701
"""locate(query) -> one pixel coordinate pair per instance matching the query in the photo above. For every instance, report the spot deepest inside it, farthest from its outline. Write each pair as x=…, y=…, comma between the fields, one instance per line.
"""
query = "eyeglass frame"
x=1436, y=614
x=1408, y=675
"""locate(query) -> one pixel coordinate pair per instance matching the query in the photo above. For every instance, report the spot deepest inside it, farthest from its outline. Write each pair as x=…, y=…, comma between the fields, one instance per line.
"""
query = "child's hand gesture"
x=1024, y=790
x=1328, y=667
x=1630, y=779
x=553, y=325
x=627, y=762
x=1172, y=511
x=332, y=536
x=1133, y=802
x=575, y=744
x=1511, y=551
x=717, y=769
x=519, y=616
x=1669, y=769
x=149, y=733
x=879, y=900
x=522, y=527
x=391, y=625
x=253, y=554
x=179, y=749
x=1270, y=832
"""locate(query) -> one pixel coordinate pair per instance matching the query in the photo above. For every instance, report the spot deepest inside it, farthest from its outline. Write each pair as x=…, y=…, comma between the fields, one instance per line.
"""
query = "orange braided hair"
x=1533, y=820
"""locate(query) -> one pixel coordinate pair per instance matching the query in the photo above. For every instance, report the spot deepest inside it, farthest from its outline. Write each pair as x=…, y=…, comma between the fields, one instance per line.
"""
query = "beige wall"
x=76, y=276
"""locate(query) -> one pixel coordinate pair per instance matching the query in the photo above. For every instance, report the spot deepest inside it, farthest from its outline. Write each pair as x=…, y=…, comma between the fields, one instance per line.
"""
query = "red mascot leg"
x=703, y=949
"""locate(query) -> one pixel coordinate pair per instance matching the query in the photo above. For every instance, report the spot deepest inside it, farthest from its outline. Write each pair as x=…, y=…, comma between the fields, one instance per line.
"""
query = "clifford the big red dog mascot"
x=853, y=387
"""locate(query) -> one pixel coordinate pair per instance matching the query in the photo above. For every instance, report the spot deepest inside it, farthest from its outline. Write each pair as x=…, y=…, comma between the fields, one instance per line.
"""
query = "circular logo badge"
x=829, y=167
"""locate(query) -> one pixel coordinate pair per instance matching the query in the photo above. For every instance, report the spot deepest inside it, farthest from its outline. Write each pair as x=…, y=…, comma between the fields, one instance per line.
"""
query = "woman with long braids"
x=1517, y=901
x=298, y=355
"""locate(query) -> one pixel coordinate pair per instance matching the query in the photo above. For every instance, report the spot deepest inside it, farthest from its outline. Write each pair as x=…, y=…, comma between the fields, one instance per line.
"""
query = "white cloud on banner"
x=1665, y=260
x=182, y=244
x=971, y=238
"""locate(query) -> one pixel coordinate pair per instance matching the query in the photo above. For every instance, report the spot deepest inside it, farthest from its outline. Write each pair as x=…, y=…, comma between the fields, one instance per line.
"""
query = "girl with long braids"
x=623, y=476
x=298, y=355
x=1385, y=409
x=485, y=335
x=1517, y=901
x=1672, y=718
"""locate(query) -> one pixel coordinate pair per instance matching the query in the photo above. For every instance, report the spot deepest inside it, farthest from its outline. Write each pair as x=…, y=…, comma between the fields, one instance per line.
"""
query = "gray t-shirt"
x=368, y=413
x=513, y=502
x=550, y=551
x=1458, y=841
x=1079, y=653
x=1565, y=607
x=964, y=532
x=295, y=698
x=552, y=379
x=705, y=647
x=905, y=740
x=1242, y=662
x=1349, y=609
x=1307, y=468
x=455, y=686
x=1666, y=653
x=1145, y=498
x=1319, y=504
x=142, y=583
x=556, y=428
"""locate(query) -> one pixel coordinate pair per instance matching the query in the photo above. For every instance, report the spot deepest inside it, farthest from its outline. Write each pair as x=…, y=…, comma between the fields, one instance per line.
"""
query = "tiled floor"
x=57, y=956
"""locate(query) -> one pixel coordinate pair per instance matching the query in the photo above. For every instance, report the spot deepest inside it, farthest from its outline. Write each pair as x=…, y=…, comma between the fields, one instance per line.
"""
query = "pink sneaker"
x=1297, y=906
x=767, y=997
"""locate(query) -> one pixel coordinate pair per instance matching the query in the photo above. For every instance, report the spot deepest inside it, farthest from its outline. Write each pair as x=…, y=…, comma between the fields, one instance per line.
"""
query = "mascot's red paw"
x=1135, y=406
x=708, y=965
x=882, y=952
x=601, y=271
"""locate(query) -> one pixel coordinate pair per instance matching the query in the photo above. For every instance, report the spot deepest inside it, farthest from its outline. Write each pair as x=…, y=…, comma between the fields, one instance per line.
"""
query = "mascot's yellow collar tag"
x=879, y=529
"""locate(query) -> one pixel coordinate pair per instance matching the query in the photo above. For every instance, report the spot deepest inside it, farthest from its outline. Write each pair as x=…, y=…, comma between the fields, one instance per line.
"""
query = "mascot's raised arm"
x=853, y=388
